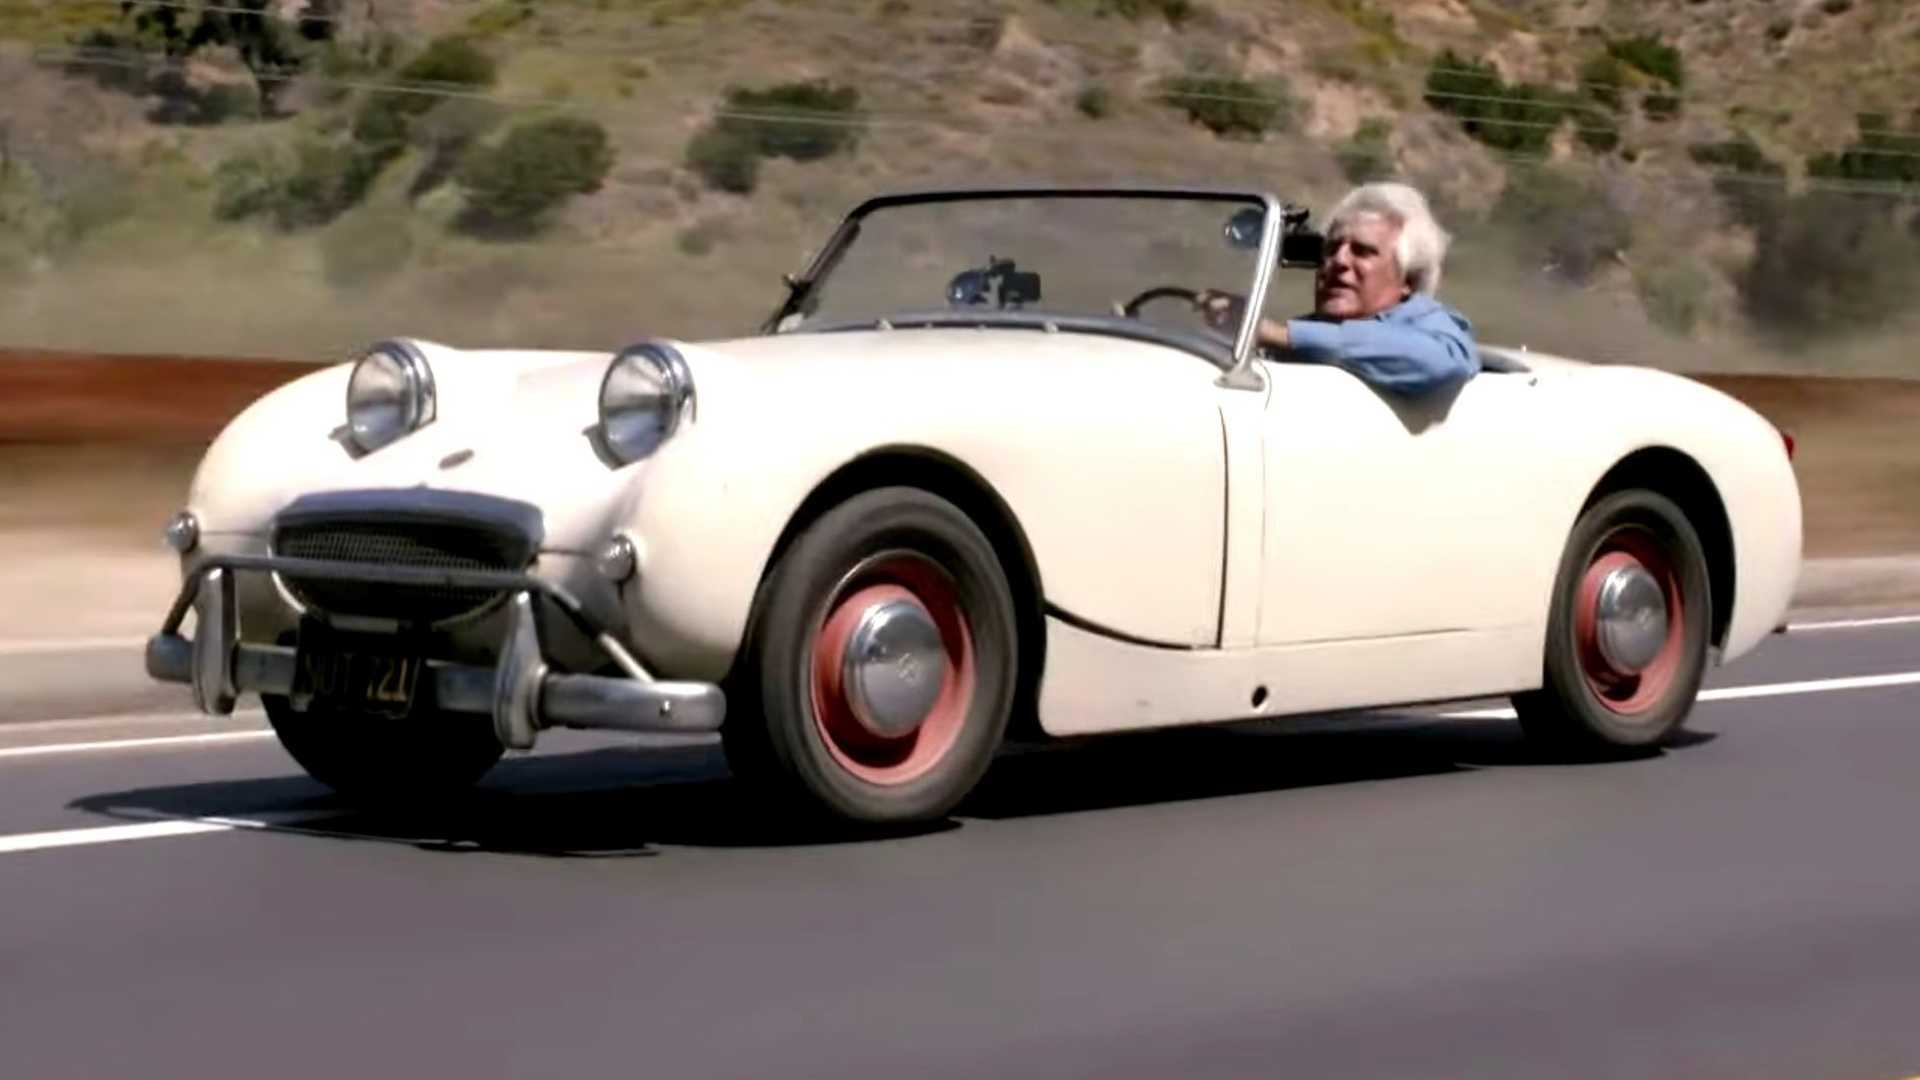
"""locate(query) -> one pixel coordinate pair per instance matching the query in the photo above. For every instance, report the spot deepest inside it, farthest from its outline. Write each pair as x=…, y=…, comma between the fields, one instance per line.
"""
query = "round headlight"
x=642, y=396
x=389, y=395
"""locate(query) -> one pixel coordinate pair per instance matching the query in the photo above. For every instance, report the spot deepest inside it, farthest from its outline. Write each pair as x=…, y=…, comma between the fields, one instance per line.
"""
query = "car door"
x=1385, y=518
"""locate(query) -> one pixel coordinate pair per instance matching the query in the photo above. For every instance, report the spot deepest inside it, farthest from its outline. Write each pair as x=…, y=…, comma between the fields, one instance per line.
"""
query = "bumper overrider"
x=520, y=692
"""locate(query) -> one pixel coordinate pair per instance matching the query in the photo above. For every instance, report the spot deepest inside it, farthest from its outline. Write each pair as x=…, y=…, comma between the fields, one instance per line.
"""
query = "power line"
x=951, y=26
x=897, y=122
x=98, y=56
x=941, y=25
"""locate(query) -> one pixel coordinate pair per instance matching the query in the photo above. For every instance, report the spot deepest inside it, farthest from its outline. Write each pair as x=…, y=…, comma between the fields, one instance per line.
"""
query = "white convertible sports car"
x=983, y=473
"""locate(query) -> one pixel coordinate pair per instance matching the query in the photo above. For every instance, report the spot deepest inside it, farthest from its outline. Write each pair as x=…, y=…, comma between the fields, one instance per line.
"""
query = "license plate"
x=344, y=674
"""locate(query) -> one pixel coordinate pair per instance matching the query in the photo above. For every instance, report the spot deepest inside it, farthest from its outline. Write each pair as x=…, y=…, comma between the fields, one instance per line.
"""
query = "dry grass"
x=617, y=264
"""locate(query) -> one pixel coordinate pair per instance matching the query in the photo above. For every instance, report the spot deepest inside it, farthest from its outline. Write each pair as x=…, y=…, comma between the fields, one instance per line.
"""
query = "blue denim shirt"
x=1418, y=346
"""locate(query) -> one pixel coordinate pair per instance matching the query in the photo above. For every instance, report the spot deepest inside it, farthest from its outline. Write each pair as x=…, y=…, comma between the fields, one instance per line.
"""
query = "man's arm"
x=1433, y=353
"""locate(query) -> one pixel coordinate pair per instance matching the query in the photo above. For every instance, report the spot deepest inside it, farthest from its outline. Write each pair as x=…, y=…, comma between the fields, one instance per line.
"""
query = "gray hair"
x=1422, y=247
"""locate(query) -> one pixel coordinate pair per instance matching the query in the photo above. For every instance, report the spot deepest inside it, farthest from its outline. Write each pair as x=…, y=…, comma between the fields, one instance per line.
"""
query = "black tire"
x=777, y=742
x=1571, y=711
x=376, y=760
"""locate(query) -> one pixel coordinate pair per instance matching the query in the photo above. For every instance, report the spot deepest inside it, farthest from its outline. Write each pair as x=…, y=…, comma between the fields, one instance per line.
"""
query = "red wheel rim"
x=864, y=753
x=1629, y=694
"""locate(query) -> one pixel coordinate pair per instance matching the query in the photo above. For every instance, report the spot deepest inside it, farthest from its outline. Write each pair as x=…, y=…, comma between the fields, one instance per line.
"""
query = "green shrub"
x=1596, y=130
x=1367, y=155
x=1602, y=78
x=451, y=60
x=445, y=133
x=539, y=165
x=1649, y=54
x=1740, y=154
x=1748, y=181
x=1229, y=106
x=804, y=121
x=127, y=74
x=500, y=17
x=725, y=159
x=228, y=101
x=1094, y=101
x=249, y=183
x=1674, y=295
x=1175, y=12
x=1563, y=221
x=1518, y=118
x=312, y=184
x=1660, y=107
x=1829, y=263
x=381, y=124
x=327, y=180
x=1878, y=155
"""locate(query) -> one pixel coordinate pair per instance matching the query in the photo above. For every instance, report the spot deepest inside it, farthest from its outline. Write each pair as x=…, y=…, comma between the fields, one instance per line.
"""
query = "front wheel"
x=884, y=655
x=1627, y=637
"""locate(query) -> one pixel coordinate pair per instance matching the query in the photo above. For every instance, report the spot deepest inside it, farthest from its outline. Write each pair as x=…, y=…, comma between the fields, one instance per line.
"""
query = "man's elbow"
x=1449, y=370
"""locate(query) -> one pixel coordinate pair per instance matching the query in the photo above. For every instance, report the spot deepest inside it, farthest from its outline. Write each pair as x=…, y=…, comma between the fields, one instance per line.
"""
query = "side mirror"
x=1243, y=229
x=968, y=288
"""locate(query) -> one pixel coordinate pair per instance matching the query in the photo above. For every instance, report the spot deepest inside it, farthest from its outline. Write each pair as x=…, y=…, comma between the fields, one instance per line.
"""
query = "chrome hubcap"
x=893, y=668
x=1630, y=619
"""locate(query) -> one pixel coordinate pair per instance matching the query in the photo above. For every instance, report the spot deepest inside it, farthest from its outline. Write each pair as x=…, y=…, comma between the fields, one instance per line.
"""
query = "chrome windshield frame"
x=1238, y=372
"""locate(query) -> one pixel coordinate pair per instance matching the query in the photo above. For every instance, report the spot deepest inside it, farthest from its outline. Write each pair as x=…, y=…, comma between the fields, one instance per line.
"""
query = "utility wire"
x=888, y=120
x=946, y=25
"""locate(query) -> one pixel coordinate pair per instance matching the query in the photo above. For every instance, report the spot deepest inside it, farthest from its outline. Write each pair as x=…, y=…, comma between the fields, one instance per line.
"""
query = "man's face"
x=1360, y=275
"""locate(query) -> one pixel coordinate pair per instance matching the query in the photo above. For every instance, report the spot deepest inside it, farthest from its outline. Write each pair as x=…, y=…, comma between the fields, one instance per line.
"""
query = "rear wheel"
x=1627, y=637
x=373, y=759
x=885, y=655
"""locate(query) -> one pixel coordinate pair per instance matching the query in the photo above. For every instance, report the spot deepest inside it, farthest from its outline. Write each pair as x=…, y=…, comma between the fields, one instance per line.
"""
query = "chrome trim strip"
x=1262, y=277
x=594, y=702
x=213, y=644
x=1052, y=611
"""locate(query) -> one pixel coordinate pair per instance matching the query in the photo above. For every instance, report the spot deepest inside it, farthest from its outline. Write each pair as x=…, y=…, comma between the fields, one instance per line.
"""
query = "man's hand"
x=1224, y=311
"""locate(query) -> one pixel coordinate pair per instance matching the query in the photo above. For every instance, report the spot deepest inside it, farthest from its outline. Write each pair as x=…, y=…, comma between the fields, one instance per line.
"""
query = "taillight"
x=1786, y=437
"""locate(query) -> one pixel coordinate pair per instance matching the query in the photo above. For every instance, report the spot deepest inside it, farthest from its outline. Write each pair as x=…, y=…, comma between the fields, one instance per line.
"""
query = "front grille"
x=433, y=531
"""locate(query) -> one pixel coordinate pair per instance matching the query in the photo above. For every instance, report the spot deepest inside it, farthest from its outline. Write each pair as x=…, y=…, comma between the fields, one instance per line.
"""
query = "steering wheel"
x=1131, y=309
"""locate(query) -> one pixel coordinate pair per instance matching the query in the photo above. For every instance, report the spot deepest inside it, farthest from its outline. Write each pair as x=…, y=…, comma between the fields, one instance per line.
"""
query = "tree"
x=273, y=47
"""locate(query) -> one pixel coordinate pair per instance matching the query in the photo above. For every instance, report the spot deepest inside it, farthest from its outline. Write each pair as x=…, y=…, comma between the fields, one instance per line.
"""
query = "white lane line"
x=59, y=645
x=133, y=744
x=1854, y=624
x=291, y=820
x=1731, y=693
x=113, y=834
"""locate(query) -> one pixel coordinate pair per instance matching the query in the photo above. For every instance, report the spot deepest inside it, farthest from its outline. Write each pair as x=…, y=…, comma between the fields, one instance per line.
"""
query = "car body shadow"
x=619, y=802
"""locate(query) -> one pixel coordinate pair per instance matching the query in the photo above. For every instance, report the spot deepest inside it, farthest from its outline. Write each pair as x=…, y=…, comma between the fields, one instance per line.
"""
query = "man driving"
x=1374, y=308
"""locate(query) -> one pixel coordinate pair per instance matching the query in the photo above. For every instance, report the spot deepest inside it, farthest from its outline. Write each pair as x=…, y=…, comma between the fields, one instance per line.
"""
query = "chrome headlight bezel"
x=416, y=401
x=645, y=395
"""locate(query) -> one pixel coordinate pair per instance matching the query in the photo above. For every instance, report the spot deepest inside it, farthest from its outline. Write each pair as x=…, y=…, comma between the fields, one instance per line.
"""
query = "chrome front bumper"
x=519, y=692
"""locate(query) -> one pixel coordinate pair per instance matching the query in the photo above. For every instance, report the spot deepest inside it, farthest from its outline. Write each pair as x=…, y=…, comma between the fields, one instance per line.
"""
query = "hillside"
x=1687, y=184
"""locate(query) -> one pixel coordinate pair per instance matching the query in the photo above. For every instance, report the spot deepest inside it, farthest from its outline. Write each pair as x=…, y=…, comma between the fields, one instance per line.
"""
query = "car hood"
x=520, y=424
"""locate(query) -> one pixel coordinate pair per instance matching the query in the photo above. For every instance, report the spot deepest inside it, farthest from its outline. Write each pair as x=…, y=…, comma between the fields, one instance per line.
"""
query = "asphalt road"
x=1383, y=895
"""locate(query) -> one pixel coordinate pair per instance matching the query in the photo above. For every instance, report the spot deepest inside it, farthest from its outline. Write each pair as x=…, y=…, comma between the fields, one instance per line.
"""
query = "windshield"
x=1117, y=263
